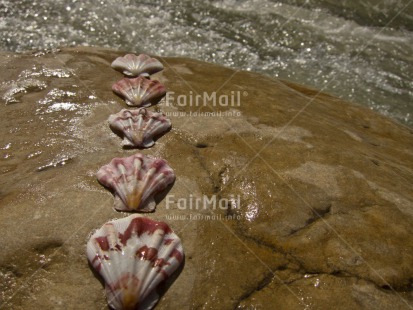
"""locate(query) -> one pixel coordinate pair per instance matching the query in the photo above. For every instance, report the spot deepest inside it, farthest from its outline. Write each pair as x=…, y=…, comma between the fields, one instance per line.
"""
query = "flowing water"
x=361, y=51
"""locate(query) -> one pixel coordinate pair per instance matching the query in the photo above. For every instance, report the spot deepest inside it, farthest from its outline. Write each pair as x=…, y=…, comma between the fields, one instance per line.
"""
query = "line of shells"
x=135, y=254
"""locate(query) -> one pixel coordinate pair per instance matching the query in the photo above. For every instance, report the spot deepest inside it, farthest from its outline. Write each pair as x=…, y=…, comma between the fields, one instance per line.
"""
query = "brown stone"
x=325, y=212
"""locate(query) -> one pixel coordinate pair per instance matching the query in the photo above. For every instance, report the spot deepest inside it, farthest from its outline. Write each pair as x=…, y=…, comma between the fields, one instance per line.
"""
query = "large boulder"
x=285, y=197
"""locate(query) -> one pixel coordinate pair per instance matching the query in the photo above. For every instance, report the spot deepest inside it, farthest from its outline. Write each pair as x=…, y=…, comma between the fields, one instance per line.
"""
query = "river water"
x=361, y=51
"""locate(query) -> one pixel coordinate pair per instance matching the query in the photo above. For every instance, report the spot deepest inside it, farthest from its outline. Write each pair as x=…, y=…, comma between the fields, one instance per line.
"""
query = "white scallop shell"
x=140, y=91
x=139, y=127
x=135, y=180
x=132, y=65
x=133, y=255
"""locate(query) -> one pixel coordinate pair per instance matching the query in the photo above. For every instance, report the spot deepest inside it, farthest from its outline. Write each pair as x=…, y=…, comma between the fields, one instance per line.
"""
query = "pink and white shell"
x=135, y=180
x=133, y=255
x=140, y=91
x=132, y=65
x=139, y=127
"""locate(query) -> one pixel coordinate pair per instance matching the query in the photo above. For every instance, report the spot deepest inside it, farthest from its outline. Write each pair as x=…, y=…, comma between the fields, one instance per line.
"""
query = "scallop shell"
x=135, y=180
x=133, y=255
x=139, y=91
x=132, y=65
x=139, y=127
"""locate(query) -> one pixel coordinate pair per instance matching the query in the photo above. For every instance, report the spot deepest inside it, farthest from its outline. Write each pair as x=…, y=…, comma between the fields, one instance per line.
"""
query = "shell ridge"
x=126, y=142
x=118, y=188
x=146, y=277
x=148, y=205
x=150, y=301
x=104, y=260
x=147, y=182
x=152, y=280
x=159, y=180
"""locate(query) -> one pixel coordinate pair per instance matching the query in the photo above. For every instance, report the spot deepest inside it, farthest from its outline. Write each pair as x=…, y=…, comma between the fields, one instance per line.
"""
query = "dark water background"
x=361, y=51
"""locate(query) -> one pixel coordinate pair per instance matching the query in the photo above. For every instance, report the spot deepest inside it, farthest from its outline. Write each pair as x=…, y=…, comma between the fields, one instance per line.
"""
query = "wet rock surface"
x=314, y=207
